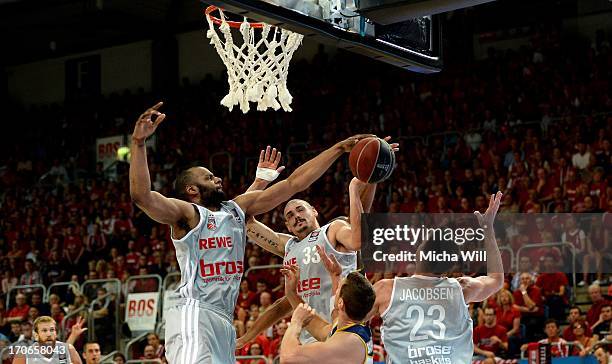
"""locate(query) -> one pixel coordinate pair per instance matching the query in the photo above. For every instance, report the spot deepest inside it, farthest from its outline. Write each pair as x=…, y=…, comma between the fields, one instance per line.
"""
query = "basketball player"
x=46, y=349
x=209, y=235
x=338, y=237
x=425, y=316
x=349, y=340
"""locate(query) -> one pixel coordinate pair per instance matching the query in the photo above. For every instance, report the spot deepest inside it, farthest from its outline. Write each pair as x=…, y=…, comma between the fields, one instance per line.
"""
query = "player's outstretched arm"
x=267, y=238
x=258, y=202
x=318, y=327
x=277, y=311
x=267, y=169
x=350, y=235
x=160, y=208
x=480, y=288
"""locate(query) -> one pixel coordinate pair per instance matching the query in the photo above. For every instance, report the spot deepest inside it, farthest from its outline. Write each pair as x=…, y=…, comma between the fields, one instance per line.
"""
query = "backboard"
x=412, y=44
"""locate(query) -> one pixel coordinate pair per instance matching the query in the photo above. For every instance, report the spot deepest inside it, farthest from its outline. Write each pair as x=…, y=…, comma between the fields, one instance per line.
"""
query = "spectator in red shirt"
x=281, y=328
x=553, y=286
x=597, y=302
x=20, y=312
x=31, y=275
x=489, y=338
x=260, y=340
x=575, y=315
x=510, y=318
x=586, y=341
x=57, y=313
x=254, y=350
x=558, y=346
x=246, y=296
x=528, y=301
x=131, y=257
x=153, y=341
x=122, y=225
x=71, y=238
x=149, y=353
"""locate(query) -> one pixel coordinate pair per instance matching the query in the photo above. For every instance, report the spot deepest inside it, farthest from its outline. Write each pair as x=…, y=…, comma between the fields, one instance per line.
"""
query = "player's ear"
x=191, y=189
x=315, y=213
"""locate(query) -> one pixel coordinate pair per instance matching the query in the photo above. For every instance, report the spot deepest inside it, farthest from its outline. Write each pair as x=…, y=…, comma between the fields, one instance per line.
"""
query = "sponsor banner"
x=141, y=311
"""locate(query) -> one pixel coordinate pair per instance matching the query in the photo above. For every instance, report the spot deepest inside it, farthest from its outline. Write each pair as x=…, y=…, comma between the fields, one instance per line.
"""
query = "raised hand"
x=302, y=315
x=77, y=329
x=329, y=262
x=145, y=126
x=292, y=277
x=394, y=146
x=348, y=143
x=270, y=159
x=487, y=219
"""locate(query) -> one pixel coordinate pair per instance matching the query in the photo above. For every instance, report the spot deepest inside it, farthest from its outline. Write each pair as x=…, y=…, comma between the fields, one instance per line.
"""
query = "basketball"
x=372, y=160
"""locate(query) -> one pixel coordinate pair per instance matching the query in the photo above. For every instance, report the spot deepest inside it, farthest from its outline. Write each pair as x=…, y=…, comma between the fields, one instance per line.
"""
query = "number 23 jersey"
x=427, y=321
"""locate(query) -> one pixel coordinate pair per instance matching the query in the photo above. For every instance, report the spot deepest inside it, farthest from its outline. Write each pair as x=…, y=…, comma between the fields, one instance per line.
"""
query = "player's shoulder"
x=384, y=285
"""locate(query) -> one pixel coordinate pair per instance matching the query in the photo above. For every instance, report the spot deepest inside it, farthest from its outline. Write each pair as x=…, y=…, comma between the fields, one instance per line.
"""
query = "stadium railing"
x=127, y=351
x=59, y=284
x=108, y=358
x=551, y=245
x=260, y=357
x=257, y=267
x=97, y=283
x=29, y=287
x=511, y=254
x=569, y=348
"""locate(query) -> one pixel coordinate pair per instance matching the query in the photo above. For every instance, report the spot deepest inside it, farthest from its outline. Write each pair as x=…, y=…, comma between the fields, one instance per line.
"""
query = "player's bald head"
x=295, y=202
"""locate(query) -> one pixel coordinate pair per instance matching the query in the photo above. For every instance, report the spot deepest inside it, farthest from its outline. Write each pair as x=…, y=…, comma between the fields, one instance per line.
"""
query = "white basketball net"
x=257, y=70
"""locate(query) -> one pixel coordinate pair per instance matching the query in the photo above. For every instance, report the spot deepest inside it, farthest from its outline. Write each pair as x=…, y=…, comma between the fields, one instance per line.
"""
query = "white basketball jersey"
x=427, y=321
x=42, y=354
x=315, y=286
x=211, y=257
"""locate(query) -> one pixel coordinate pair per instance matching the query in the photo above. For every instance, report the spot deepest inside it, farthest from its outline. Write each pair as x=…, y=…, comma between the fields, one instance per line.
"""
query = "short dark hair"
x=89, y=343
x=358, y=296
x=489, y=308
x=606, y=305
x=551, y=321
x=183, y=179
x=576, y=308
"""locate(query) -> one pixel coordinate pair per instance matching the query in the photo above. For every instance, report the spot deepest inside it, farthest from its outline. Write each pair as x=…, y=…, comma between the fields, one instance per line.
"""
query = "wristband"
x=267, y=174
x=332, y=302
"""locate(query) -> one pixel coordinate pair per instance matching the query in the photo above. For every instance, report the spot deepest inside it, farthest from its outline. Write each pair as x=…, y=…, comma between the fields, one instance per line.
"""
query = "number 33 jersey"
x=427, y=321
x=315, y=285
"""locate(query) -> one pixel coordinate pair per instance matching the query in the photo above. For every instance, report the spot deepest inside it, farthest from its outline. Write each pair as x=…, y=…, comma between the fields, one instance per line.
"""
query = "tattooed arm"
x=267, y=238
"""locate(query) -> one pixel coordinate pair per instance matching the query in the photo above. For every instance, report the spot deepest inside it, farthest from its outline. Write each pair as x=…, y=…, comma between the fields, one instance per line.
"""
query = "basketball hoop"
x=256, y=70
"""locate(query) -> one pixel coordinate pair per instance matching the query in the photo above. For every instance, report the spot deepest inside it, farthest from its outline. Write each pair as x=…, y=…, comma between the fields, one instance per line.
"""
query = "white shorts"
x=195, y=334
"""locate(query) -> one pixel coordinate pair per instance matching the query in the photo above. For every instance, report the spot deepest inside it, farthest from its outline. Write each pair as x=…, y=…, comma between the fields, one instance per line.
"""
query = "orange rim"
x=232, y=24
